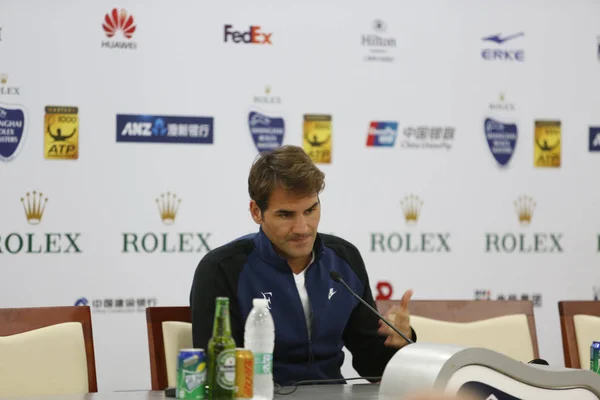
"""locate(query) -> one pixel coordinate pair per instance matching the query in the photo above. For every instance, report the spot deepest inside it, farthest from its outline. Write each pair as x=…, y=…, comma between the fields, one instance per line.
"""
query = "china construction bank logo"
x=486, y=294
x=164, y=129
x=411, y=241
x=119, y=27
x=118, y=305
x=34, y=209
x=523, y=242
x=168, y=206
x=254, y=34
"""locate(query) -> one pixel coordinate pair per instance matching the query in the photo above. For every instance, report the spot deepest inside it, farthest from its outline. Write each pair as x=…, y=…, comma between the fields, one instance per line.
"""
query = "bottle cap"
x=260, y=303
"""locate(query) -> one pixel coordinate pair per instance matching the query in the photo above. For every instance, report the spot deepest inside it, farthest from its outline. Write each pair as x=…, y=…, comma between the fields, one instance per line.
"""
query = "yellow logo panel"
x=547, y=144
x=317, y=137
x=61, y=133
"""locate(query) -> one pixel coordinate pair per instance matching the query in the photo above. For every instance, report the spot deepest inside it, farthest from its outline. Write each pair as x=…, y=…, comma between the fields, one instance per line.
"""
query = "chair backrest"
x=580, y=326
x=169, y=329
x=505, y=326
x=56, y=341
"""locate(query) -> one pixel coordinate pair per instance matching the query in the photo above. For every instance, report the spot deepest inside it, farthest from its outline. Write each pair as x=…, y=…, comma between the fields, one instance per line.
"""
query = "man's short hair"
x=288, y=167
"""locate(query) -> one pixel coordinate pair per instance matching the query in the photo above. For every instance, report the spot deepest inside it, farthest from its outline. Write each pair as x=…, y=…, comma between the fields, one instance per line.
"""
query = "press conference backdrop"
x=459, y=142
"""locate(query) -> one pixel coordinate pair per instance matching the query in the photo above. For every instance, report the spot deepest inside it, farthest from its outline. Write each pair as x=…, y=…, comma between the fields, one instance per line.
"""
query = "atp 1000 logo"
x=168, y=205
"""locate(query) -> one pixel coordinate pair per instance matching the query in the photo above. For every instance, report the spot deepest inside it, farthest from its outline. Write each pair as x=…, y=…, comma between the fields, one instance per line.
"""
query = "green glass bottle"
x=221, y=355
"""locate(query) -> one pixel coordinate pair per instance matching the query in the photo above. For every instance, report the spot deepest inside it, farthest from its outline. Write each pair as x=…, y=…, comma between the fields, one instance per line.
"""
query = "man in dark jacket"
x=288, y=263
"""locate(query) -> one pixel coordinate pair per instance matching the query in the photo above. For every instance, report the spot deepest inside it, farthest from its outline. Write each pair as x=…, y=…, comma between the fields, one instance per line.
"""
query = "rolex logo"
x=266, y=98
x=3, y=79
x=522, y=242
x=166, y=242
x=168, y=205
x=411, y=205
x=412, y=240
x=34, y=207
x=524, y=207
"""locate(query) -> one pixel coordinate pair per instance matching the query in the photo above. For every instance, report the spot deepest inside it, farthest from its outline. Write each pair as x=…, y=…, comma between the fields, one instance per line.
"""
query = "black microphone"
x=336, y=277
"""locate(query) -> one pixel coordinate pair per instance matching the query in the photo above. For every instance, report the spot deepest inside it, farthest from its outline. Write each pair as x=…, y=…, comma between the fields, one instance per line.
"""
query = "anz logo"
x=497, y=51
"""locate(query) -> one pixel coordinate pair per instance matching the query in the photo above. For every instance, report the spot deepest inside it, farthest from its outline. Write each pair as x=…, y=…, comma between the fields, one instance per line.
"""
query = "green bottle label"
x=226, y=369
x=263, y=363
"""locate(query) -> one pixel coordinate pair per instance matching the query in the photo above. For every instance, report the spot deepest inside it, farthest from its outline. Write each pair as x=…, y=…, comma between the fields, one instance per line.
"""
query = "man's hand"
x=400, y=317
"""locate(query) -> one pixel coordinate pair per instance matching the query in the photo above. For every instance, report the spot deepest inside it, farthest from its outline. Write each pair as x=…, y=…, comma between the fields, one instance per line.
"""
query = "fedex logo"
x=382, y=134
x=253, y=36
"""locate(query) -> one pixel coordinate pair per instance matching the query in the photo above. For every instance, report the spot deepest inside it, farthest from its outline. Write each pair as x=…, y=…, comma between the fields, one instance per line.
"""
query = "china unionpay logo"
x=164, y=129
x=382, y=134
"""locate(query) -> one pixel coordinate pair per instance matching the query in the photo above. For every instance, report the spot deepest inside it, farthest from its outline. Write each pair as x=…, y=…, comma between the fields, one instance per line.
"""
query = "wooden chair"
x=55, y=344
x=580, y=326
x=505, y=326
x=169, y=330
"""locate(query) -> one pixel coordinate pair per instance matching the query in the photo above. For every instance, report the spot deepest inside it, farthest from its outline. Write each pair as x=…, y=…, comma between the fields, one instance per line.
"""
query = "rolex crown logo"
x=411, y=205
x=168, y=205
x=3, y=79
x=267, y=89
x=524, y=207
x=34, y=206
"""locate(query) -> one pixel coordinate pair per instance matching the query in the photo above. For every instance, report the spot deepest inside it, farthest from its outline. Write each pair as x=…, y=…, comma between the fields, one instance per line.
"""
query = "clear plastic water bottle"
x=259, y=337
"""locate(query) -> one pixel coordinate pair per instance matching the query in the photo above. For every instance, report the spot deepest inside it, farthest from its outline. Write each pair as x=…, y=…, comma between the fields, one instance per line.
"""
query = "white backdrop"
x=430, y=73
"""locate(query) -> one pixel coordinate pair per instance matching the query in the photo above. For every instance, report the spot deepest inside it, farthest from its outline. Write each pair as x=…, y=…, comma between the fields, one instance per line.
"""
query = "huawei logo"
x=119, y=20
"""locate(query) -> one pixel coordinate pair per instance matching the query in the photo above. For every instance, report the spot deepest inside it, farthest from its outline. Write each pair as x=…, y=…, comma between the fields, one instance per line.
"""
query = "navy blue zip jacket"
x=249, y=268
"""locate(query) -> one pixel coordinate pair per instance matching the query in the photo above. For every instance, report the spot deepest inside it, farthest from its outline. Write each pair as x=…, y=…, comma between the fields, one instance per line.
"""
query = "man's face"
x=290, y=222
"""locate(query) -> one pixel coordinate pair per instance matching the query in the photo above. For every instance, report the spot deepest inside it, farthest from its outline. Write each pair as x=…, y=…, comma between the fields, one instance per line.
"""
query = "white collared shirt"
x=301, y=286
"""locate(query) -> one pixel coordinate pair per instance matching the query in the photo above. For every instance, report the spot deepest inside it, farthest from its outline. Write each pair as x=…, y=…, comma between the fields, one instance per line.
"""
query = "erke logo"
x=254, y=35
x=494, y=54
x=496, y=38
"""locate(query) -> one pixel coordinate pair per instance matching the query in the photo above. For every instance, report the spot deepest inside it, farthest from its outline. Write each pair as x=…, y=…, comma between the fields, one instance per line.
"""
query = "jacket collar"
x=267, y=251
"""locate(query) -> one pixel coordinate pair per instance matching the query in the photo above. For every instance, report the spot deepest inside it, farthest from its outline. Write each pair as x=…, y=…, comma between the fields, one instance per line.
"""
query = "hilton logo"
x=34, y=205
x=521, y=242
x=423, y=242
x=166, y=242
